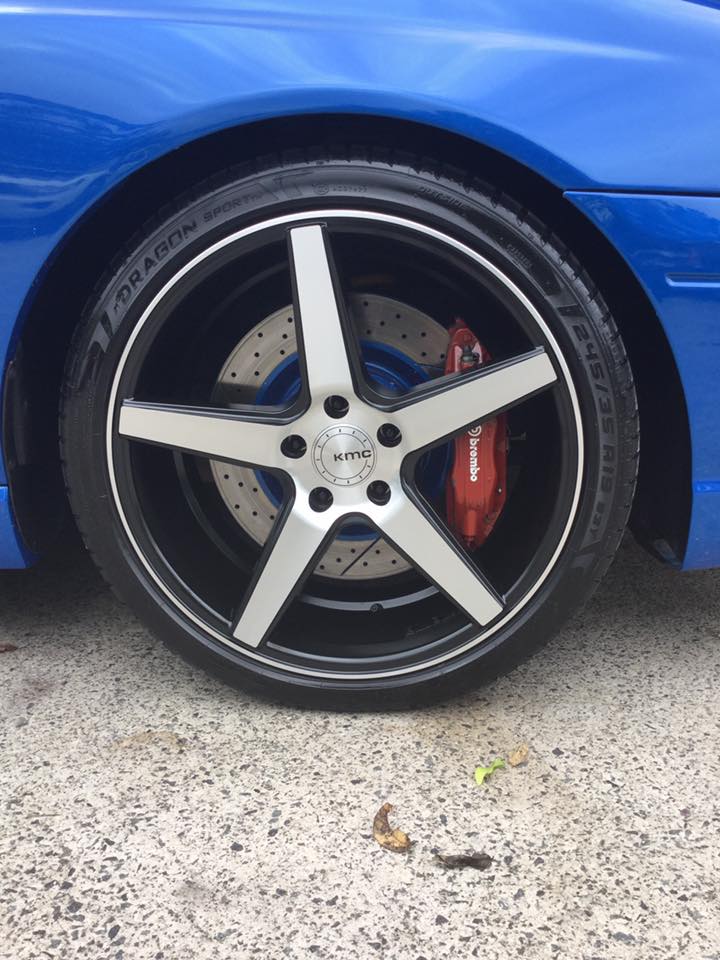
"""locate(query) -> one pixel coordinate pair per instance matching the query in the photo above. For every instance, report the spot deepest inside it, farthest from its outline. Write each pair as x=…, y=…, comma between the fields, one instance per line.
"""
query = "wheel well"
x=33, y=380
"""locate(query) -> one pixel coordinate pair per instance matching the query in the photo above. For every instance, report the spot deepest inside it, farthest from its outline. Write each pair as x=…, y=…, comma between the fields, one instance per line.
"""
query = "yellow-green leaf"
x=482, y=772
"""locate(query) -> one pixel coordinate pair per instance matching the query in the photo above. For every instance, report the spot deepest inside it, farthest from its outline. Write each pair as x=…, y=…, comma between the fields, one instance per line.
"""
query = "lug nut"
x=379, y=492
x=293, y=446
x=389, y=435
x=336, y=407
x=320, y=499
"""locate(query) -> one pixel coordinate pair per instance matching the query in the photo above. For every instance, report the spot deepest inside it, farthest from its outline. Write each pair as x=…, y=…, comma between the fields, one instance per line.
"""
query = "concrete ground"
x=148, y=812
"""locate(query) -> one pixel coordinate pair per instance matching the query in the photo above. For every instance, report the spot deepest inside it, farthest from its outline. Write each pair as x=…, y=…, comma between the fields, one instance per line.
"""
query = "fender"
x=91, y=92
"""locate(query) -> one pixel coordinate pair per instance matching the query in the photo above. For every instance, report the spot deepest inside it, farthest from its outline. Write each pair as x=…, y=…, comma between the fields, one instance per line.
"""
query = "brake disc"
x=258, y=355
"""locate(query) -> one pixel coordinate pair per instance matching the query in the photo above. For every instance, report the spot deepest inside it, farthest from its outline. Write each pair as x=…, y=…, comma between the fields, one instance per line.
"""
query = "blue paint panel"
x=663, y=239
x=13, y=553
x=595, y=95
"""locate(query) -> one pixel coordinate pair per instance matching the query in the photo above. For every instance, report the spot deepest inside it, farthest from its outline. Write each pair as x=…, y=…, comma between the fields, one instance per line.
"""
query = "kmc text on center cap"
x=344, y=455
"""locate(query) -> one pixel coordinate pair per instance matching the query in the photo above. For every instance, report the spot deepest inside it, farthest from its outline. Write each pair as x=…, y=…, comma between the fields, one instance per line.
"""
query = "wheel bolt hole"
x=320, y=499
x=379, y=492
x=336, y=407
x=293, y=446
x=389, y=435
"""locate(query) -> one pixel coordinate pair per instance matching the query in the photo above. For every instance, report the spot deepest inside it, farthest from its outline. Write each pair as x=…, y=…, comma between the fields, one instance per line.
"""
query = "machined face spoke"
x=221, y=435
x=454, y=404
x=432, y=550
x=320, y=314
x=290, y=554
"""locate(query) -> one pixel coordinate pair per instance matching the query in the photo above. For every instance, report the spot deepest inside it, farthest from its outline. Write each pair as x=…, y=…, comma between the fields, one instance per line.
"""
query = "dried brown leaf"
x=519, y=756
x=388, y=838
x=7, y=647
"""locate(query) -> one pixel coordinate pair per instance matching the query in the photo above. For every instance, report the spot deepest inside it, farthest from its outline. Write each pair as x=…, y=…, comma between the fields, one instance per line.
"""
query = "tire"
x=389, y=253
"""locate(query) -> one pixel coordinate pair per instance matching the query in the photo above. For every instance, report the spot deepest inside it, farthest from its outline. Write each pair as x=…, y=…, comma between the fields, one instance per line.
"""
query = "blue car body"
x=613, y=105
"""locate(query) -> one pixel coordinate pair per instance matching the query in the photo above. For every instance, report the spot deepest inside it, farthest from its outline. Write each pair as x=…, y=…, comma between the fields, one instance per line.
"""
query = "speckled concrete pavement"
x=147, y=812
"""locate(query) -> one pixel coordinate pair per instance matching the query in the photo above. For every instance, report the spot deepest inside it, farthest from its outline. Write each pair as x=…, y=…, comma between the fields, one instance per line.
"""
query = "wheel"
x=348, y=432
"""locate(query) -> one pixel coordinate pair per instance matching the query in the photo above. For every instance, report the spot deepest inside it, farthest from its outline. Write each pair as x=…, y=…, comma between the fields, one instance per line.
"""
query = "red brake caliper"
x=476, y=484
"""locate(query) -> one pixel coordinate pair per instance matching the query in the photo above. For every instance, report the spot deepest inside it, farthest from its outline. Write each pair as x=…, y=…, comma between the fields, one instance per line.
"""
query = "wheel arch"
x=33, y=380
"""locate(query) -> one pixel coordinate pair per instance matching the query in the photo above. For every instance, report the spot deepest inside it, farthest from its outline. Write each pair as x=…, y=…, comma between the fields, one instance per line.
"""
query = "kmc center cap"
x=344, y=455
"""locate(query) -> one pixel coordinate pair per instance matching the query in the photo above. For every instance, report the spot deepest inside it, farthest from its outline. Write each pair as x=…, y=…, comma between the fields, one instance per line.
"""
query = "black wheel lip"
x=347, y=215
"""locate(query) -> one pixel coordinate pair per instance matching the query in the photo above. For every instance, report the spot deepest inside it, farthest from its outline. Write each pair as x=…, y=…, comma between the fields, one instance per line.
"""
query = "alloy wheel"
x=344, y=452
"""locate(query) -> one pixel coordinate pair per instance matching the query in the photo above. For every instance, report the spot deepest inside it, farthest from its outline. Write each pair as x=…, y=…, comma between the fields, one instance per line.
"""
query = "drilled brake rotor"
x=259, y=354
